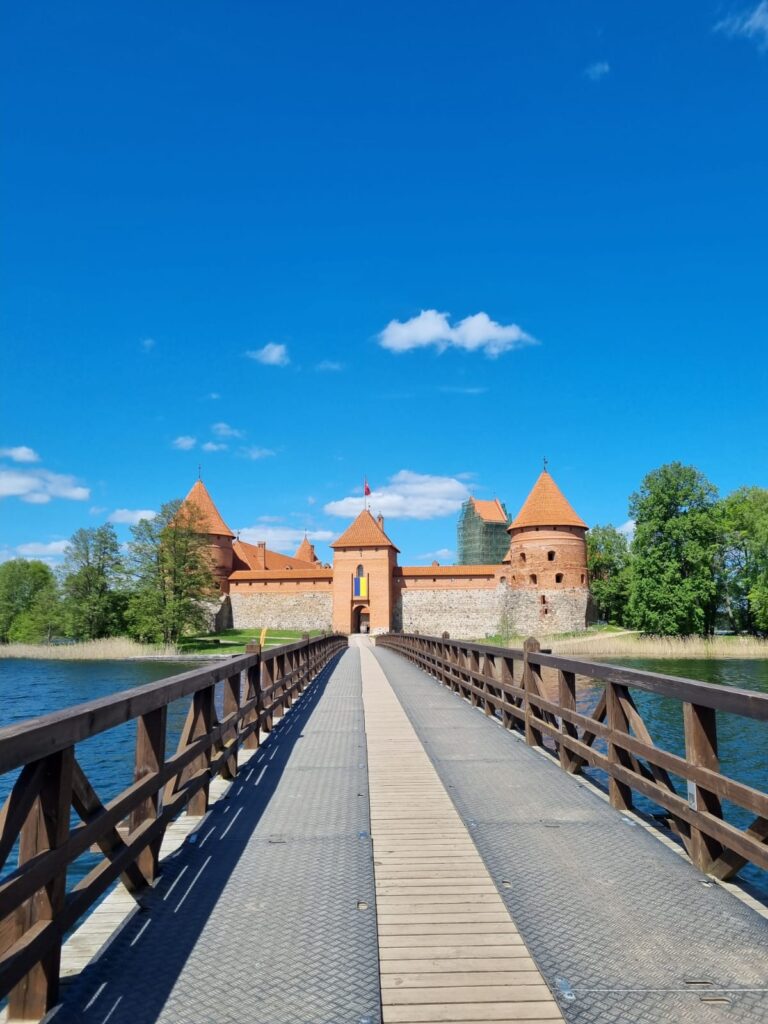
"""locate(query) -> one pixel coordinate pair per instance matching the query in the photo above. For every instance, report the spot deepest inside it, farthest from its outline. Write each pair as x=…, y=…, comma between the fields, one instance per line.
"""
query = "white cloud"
x=594, y=72
x=224, y=430
x=311, y=500
x=463, y=391
x=148, y=344
x=20, y=454
x=282, y=538
x=131, y=515
x=214, y=396
x=628, y=529
x=441, y=555
x=96, y=510
x=184, y=442
x=270, y=355
x=329, y=366
x=750, y=24
x=254, y=452
x=35, y=548
x=212, y=446
x=38, y=486
x=408, y=495
x=472, y=334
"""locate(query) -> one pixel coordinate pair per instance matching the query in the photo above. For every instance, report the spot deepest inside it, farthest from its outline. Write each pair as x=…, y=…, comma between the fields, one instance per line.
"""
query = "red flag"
x=366, y=488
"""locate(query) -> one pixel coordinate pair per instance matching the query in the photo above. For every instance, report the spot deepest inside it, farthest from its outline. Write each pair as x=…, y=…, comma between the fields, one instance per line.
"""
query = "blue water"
x=742, y=742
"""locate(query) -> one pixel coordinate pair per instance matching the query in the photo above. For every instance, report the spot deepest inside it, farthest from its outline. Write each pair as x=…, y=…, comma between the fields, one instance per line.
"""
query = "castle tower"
x=549, y=588
x=207, y=520
x=364, y=561
x=306, y=551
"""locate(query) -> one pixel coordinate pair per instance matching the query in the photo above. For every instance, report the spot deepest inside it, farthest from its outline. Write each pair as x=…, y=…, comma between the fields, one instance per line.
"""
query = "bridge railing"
x=509, y=684
x=36, y=910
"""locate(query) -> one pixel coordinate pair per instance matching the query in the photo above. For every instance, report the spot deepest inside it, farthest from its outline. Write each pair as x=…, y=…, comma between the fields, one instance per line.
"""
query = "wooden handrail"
x=507, y=683
x=35, y=908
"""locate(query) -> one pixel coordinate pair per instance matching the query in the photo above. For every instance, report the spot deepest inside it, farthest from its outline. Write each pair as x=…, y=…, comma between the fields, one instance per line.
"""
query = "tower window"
x=582, y=577
x=550, y=556
x=558, y=577
x=360, y=571
x=522, y=556
x=534, y=578
x=543, y=599
x=546, y=611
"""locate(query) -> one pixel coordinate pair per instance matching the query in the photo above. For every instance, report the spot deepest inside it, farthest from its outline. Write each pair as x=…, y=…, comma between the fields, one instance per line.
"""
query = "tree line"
x=696, y=562
x=154, y=589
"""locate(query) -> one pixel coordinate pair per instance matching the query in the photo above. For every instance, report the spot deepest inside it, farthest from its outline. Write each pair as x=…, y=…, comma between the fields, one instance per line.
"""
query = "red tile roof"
x=256, y=557
x=546, y=506
x=447, y=570
x=308, y=572
x=490, y=511
x=364, y=532
x=206, y=516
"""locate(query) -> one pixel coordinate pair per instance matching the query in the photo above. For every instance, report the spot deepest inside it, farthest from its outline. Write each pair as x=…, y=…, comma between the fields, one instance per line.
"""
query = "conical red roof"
x=306, y=551
x=364, y=532
x=546, y=506
x=206, y=515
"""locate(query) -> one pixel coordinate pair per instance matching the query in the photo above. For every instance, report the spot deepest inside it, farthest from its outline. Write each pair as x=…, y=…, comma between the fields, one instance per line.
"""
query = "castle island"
x=540, y=585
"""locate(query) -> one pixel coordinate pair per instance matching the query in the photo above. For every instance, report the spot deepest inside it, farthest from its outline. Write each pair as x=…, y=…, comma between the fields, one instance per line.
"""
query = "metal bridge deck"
x=270, y=915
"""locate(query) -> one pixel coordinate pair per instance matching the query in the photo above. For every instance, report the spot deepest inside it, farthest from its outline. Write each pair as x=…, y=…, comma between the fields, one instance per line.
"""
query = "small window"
x=543, y=599
x=522, y=556
x=582, y=577
x=534, y=578
x=360, y=571
x=558, y=577
x=550, y=556
x=503, y=581
x=546, y=611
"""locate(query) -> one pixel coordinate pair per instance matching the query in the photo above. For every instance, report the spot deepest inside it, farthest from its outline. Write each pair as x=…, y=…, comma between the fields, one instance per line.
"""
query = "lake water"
x=30, y=688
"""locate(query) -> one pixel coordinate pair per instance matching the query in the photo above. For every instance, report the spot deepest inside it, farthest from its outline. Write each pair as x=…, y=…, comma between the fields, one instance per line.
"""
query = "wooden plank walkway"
x=448, y=948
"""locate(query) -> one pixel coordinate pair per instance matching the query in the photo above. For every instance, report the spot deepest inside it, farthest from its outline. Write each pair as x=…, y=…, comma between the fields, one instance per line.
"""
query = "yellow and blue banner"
x=360, y=587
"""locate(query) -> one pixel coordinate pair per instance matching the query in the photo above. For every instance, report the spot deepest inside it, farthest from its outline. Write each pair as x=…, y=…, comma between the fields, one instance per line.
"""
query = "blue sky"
x=577, y=191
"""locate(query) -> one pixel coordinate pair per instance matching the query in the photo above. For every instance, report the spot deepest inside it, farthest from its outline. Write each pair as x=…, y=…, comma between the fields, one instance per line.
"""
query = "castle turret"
x=207, y=520
x=548, y=562
x=364, y=561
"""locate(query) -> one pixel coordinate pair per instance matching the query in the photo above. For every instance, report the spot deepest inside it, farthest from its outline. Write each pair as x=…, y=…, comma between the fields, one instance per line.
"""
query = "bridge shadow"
x=133, y=979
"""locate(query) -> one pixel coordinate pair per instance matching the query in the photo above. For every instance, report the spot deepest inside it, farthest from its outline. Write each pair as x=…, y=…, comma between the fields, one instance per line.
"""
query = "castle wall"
x=473, y=613
x=294, y=609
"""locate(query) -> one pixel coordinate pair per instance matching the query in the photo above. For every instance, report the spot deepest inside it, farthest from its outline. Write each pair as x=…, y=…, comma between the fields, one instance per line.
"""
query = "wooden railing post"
x=532, y=734
x=46, y=828
x=267, y=679
x=232, y=695
x=149, y=759
x=203, y=710
x=566, y=682
x=619, y=793
x=253, y=689
x=700, y=725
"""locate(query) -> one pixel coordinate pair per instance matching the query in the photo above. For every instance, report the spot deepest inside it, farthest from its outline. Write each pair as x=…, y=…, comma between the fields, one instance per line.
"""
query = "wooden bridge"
x=398, y=833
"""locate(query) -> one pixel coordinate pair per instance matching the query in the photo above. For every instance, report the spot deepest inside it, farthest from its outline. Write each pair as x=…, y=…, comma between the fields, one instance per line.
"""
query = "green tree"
x=93, y=573
x=676, y=553
x=608, y=562
x=42, y=621
x=20, y=583
x=745, y=559
x=172, y=576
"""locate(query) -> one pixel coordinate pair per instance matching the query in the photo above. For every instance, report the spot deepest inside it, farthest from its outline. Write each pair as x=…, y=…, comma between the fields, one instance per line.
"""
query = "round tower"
x=547, y=557
x=208, y=521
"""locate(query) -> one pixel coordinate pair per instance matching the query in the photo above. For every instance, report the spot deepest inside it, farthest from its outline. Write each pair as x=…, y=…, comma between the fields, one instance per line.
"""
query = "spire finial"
x=199, y=472
x=546, y=463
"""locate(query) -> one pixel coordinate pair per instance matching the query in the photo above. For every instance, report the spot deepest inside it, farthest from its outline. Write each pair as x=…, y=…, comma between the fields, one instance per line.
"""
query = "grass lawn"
x=233, y=641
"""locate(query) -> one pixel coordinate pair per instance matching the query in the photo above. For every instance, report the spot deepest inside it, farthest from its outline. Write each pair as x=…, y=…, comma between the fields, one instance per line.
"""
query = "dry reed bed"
x=110, y=649
x=631, y=645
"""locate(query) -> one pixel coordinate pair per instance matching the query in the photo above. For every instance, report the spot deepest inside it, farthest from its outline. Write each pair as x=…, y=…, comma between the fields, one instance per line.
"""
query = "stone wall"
x=536, y=613
x=282, y=611
x=468, y=613
x=473, y=614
